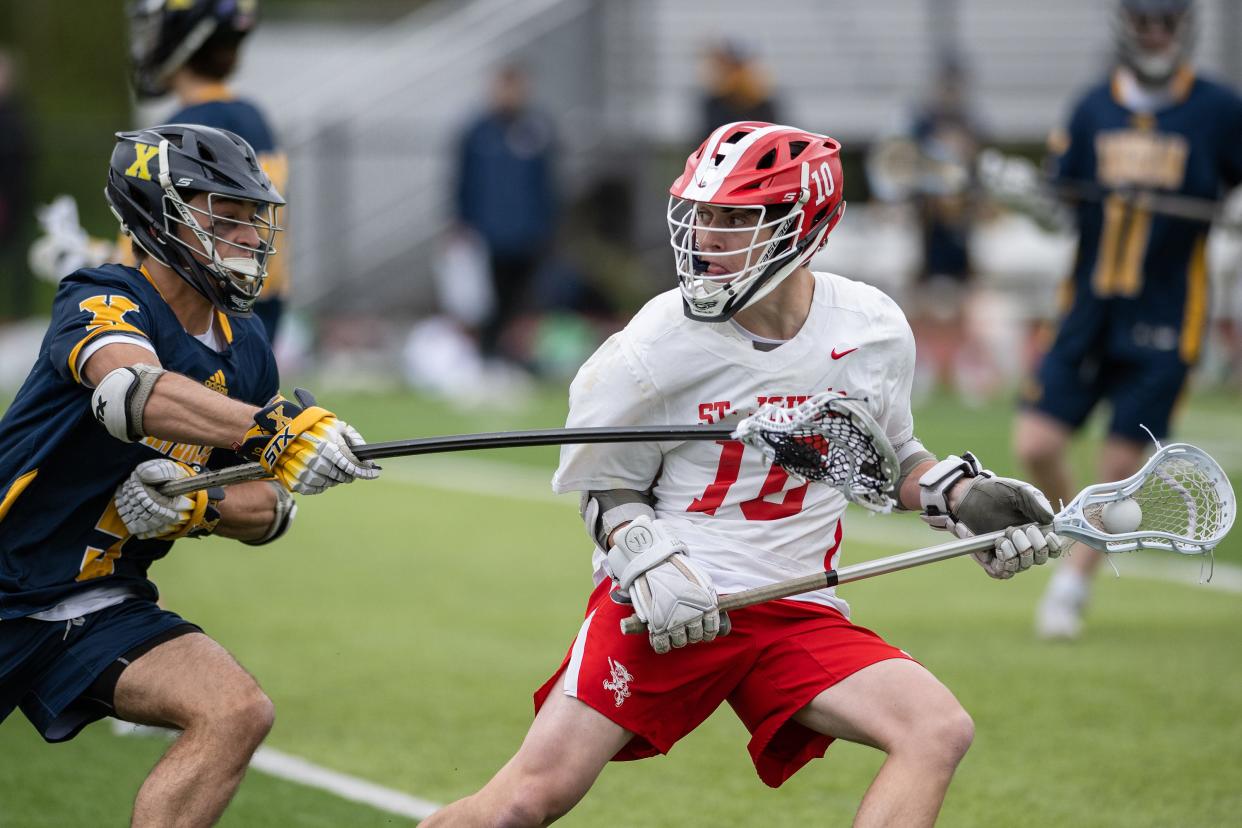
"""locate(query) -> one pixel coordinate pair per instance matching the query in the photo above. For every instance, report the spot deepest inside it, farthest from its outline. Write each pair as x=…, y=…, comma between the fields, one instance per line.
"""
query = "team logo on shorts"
x=619, y=684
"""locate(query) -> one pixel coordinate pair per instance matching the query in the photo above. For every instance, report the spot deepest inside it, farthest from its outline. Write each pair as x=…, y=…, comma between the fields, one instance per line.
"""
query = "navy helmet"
x=154, y=175
x=166, y=34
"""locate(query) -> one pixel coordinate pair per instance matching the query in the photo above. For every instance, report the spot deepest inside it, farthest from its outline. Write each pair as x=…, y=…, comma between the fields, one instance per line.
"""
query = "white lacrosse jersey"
x=742, y=519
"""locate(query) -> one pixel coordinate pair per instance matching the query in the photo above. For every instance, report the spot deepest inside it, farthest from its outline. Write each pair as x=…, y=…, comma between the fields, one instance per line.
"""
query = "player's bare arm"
x=249, y=510
x=178, y=408
x=303, y=446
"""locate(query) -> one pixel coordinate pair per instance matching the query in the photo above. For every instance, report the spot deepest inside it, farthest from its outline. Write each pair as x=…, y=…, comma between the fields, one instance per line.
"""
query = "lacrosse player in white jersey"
x=676, y=524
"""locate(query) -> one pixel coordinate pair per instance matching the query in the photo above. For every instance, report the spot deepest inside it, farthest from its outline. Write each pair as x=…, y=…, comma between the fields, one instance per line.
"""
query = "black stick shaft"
x=1159, y=202
x=544, y=437
x=470, y=442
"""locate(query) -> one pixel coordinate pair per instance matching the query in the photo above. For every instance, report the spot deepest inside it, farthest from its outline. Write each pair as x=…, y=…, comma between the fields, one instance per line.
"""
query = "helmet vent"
x=796, y=148
x=767, y=161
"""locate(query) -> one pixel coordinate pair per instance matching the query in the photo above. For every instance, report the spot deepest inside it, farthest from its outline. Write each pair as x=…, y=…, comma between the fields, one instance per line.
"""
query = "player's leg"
x=1067, y=386
x=564, y=751
x=899, y=707
x=1119, y=458
x=193, y=684
x=1068, y=383
x=613, y=697
x=1041, y=443
x=1144, y=393
x=819, y=677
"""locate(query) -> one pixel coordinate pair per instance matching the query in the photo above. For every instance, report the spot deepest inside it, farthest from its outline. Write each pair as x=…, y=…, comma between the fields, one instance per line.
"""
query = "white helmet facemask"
x=1154, y=68
x=768, y=258
x=243, y=275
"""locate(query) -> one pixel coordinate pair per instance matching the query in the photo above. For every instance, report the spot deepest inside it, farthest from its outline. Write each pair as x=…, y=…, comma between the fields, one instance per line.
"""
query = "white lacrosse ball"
x=1122, y=516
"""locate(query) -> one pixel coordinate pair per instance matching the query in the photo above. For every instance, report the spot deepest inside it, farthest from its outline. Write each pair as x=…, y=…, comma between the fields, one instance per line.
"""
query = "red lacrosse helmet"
x=790, y=179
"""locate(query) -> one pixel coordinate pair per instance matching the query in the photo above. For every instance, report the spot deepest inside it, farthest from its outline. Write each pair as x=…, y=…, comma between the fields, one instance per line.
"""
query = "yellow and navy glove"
x=148, y=514
x=304, y=446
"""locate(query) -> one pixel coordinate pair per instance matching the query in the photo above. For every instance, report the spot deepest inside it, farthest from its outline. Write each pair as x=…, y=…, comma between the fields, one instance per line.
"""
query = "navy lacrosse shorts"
x=46, y=666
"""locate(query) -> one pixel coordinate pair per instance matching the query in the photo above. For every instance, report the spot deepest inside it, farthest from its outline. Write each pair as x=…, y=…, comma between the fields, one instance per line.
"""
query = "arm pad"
x=605, y=511
x=122, y=395
x=908, y=464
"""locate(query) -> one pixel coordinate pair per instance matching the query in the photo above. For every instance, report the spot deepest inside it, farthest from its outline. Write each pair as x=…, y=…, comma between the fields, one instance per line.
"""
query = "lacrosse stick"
x=1020, y=184
x=1184, y=504
x=828, y=438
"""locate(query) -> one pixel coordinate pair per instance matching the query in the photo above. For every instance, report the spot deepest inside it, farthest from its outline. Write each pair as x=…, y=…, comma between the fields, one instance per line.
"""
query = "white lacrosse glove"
x=1021, y=548
x=148, y=514
x=673, y=596
x=991, y=504
x=64, y=246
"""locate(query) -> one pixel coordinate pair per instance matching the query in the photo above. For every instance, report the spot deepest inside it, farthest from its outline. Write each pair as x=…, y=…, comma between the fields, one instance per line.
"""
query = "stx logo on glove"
x=306, y=448
x=276, y=447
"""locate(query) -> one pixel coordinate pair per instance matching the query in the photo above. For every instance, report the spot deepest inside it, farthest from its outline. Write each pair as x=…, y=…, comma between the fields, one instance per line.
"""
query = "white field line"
x=298, y=770
x=474, y=475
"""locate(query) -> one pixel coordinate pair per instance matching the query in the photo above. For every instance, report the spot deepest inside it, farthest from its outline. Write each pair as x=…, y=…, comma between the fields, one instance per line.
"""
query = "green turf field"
x=401, y=626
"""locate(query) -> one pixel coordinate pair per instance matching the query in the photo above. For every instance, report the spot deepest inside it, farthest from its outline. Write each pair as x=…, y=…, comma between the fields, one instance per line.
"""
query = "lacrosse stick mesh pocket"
x=1180, y=497
x=824, y=443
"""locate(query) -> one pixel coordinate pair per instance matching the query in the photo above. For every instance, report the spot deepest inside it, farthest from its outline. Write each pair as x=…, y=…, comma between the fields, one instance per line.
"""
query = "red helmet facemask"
x=780, y=190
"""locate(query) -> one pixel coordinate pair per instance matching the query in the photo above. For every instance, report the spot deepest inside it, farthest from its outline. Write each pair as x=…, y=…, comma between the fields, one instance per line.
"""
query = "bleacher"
x=370, y=116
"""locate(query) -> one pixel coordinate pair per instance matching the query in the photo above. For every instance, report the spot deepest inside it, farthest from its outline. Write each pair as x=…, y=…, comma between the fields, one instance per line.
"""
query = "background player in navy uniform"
x=188, y=48
x=1136, y=305
x=142, y=372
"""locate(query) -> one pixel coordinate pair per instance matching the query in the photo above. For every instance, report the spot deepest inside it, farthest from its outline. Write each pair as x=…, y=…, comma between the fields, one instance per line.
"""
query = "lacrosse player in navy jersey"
x=190, y=49
x=676, y=524
x=148, y=374
x=1136, y=305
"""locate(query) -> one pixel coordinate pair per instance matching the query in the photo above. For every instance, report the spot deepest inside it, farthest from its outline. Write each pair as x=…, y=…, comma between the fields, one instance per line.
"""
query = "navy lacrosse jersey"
x=59, y=468
x=1135, y=307
x=235, y=115
x=1140, y=279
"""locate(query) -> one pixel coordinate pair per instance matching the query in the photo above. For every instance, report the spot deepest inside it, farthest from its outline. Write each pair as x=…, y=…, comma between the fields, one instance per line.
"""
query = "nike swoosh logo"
x=836, y=355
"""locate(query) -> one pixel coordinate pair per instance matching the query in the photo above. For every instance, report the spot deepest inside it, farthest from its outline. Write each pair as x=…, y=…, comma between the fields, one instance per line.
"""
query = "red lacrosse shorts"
x=778, y=657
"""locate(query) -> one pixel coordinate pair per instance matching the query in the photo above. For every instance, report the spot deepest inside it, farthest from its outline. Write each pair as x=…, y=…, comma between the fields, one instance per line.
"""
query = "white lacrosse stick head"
x=830, y=439
x=1186, y=503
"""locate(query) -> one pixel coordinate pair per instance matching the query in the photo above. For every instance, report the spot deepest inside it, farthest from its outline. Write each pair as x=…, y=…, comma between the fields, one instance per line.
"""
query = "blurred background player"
x=1137, y=304
x=736, y=87
x=676, y=524
x=946, y=131
x=143, y=371
x=16, y=154
x=506, y=197
x=188, y=48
